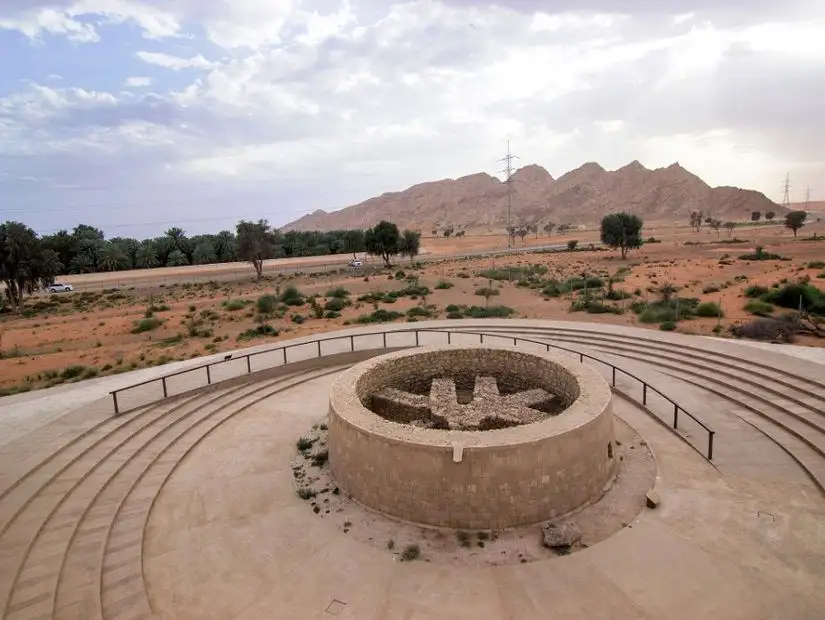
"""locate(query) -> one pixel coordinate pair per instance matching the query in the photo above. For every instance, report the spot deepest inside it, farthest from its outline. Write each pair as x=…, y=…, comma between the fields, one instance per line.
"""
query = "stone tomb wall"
x=472, y=479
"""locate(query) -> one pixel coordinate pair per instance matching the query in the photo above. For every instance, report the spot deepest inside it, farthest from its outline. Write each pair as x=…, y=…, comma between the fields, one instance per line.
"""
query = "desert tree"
x=795, y=220
x=409, y=244
x=715, y=225
x=383, y=241
x=730, y=227
x=696, y=220
x=522, y=232
x=756, y=216
x=353, y=242
x=770, y=215
x=25, y=265
x=549, y=227
x=255, y=243
x=448, y=231
x=622, y=230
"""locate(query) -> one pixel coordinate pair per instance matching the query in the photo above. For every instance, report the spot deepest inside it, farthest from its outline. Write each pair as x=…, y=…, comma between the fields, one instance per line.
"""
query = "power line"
x=508, y=170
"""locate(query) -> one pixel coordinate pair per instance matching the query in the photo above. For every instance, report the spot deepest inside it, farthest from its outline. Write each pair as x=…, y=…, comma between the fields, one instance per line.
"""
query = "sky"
x=136, y=115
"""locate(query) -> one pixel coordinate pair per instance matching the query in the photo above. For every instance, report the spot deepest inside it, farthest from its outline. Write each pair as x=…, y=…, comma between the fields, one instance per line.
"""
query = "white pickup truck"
x=59, y=287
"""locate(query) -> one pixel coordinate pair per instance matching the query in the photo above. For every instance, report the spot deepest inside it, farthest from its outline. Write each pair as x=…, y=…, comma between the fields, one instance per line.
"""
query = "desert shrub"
x=443, y=285
x=486, y=291
x=662, y=311
x=761, y=254
x=462, y=274
x=332, y=314
x=410, y=553
x=577, y=284
x=452, y=308
x=816, y=264
x=266, y=304
x=759, y=307
x=797, y=294
x=594, y=306
x=455, y=315
x=260, y=331
x=72, y=372
x=208, y=314
x=653, y=240
x=146, y=325
x=336, y=304
x=235, y=304
x=317, y=309
x=476, y=312
x=291, y=296
x=710, y=289
x=297, y=319
x=667, y=326
x=320, y=458
x=513, y=273
x=89, y=373
x=572, y=244
x=378, y=316
x=338, y=291
x=304, y=443
x=306, y=493
x=400, y=275
x=781, y=329
x=755, y=290
x=420, y=311
x=709, y=309
x=617, y=294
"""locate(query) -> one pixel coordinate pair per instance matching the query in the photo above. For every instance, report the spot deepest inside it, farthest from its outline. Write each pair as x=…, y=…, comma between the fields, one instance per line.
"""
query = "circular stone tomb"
x=471, y=437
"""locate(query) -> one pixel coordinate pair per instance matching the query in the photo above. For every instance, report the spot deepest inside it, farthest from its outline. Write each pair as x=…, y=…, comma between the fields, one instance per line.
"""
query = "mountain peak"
x=635, y=165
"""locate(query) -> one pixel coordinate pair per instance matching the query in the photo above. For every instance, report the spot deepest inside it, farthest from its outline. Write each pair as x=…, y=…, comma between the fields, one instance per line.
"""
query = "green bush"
x=485, y=291
x=594, y=306
x=336, y=304
x=418, y=311
x=759, y=307
x=761, y=254
x=332, y=314
x=297, y=319
x=709, y=309
x=455, y=315
x=291, y=296
x=667, y=326
x=816, y=264
x=266, y=304
x=258, y=332
x=710, y=289
x=235, y=304
x=797, y=294
x=146, y=325
x=755, y=290
x=572, y=244
x=476, y=312
x=452, y=308
x=443, y=285
x=378, y=316
x=72, y=372
x=513, y=273
x=339, y=292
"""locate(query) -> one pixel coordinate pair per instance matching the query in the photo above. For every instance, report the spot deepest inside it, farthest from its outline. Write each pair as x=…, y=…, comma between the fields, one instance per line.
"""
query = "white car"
x=59, y=287
x=356, y=263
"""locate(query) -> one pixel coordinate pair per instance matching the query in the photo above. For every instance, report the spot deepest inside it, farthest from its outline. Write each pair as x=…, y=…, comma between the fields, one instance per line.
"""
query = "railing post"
x=548, y=348
x=482, y=338
x=208, y=375
x=710, y=444
x=284, y=350
x=675, y=415
x=114, y=398
x=249, y=364
x=352, y=343
x=644, y=393
x=449, y=338
x=165, y=392
x=581, y=358
x=416, y=338
x=614, y=376
x=384, y=334
x=319, y=348
x=515, y=341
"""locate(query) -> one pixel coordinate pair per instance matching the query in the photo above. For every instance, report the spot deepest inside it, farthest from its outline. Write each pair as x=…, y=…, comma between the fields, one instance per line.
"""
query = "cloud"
x=175, y=63
x=34, y=24
x=137, y=82
x=273, y=109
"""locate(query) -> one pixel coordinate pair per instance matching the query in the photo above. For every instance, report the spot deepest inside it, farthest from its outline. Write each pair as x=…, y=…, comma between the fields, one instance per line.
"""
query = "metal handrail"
x=351, y=337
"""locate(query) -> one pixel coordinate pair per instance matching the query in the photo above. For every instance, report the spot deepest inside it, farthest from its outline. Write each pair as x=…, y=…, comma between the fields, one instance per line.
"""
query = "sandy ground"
x=94, y=329
x=616, y=509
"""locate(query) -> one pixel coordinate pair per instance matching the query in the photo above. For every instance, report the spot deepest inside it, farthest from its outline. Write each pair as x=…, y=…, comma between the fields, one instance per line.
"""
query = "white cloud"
x=174, y=62
x=34, y=23
x=137, y=82
x=325, y=107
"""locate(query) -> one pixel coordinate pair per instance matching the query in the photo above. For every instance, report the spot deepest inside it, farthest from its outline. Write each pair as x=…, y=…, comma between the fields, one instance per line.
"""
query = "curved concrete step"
x=35, y=534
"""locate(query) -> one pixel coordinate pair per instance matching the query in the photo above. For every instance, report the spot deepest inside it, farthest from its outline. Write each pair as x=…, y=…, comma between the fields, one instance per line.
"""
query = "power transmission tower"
x=786, y=200
x=508, y=171
x=807, y=197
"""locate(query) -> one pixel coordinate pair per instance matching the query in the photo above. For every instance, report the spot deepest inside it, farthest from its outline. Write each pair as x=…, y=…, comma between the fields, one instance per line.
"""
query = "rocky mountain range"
x=478, y=202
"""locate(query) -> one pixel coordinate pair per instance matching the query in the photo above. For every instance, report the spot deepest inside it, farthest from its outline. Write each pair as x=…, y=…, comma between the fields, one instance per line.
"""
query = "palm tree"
x=176, y=259
x=146, y=257
x=179, y=241
x=112, y=257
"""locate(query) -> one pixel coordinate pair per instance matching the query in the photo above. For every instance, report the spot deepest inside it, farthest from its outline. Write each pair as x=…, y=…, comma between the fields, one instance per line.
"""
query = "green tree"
x=770, y=215
x=204, y=253
x=25, y=265
x=176, y=259
x=795, y=220
x=382, y=241
x=756, y=216
x=353, y=242
x=409, y=244
x=715, y=225
x=112, y=257
x=225, y=247
x=146, y=256
x=730, y=226
x=179, y=242
x=622, y=230
x=255, y=243
x=63, y=244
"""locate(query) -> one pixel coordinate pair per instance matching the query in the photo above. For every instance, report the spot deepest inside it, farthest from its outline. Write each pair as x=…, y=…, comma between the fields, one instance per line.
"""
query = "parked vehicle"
x=356, y=263
x=59, y=287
